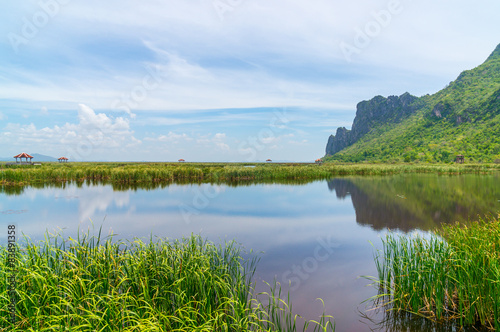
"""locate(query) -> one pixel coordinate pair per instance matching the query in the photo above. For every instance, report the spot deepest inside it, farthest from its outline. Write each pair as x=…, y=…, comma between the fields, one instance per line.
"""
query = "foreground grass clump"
x=452, y=275
x=91, y=284
x=213, y=172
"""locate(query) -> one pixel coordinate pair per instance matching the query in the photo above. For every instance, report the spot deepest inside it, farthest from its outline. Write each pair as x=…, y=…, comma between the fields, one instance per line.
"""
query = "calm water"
x=317, y=237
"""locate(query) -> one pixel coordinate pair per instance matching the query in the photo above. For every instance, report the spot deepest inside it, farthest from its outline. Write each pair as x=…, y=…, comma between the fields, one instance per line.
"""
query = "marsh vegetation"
x=96, y=284
x=214, y=172
x=452, y=275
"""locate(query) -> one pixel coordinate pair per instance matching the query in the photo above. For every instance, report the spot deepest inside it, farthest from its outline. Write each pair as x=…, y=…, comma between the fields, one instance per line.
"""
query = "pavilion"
x=23, y=155
x=63, y=160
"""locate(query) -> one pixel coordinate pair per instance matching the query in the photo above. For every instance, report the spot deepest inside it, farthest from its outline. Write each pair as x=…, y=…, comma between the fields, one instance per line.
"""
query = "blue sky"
x=219, y=80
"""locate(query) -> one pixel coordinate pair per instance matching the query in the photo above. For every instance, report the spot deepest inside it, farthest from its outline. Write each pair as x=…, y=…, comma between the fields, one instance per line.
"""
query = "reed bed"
x=95, y=284
x=453, y=275
x=205, y=172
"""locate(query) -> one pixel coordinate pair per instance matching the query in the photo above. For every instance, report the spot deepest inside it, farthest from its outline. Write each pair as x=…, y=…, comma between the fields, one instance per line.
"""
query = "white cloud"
x=222, y=146
x=217, y=141
x=302, y=143
x=175, y=57
x=264, y=53
x=171, y=137
x=202, y=141
x=94, y=136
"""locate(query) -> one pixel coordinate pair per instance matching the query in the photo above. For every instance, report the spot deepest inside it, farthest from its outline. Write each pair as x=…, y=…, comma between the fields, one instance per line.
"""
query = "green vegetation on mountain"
x=463, y=118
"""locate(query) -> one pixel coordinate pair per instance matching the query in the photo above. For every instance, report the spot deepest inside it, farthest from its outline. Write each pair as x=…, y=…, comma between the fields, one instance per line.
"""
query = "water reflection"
x=284, y=224
x=375, y=212
x=419, y=202
x=12, y=190
x=395, y=321
x=318, y=242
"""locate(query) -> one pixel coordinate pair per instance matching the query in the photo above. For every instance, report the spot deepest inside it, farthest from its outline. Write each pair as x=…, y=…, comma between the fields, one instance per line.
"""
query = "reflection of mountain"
x=373, y=212
x=416, y=201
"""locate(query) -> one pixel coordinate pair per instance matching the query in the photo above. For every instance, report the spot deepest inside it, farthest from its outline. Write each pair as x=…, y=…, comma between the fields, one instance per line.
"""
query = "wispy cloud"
x=164, y=66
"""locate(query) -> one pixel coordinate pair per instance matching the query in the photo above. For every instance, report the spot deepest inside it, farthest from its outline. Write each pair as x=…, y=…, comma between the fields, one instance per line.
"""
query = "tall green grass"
x=453, y=275
x=205, y=172
x=95, y=284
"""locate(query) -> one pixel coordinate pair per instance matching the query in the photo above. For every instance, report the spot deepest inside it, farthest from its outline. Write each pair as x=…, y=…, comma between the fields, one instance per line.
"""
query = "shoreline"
x=123, y=173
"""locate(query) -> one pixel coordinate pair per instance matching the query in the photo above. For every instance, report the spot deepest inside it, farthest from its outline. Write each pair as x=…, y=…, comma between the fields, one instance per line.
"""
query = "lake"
x=316, y=238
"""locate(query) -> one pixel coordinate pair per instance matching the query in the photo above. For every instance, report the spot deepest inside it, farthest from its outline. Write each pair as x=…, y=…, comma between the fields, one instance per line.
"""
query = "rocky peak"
x=338, y=141
x=370, y=114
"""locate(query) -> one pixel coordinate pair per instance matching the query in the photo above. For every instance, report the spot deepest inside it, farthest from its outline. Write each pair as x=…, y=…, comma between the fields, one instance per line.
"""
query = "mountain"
x=40, y=157
x=36, y=158
x=463, y=118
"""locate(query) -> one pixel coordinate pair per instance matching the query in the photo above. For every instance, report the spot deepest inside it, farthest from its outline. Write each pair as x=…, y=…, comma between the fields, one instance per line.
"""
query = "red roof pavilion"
x=23, y=155
x=181, y=160
x=63, y=159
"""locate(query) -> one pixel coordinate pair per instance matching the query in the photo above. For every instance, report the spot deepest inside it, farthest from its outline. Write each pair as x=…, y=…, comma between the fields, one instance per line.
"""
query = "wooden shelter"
x=182, y=161
x=23, y=155
x=319, y=161
x=63, y=160
x=269, y=160
x=460, y=159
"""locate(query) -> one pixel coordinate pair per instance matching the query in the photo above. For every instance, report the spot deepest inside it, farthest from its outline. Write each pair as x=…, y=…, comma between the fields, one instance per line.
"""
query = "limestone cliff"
x=461, y=119
x=370, y=114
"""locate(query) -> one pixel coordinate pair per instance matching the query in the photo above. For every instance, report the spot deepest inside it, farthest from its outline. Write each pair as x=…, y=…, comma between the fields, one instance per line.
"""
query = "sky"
x=219, y=80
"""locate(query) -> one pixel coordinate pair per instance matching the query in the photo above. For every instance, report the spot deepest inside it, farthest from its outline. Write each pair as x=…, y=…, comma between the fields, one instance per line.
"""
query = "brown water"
x=317, y=239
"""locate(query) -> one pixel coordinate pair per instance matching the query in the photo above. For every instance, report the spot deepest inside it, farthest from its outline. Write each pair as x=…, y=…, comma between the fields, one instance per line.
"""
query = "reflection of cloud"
x=99, y=199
